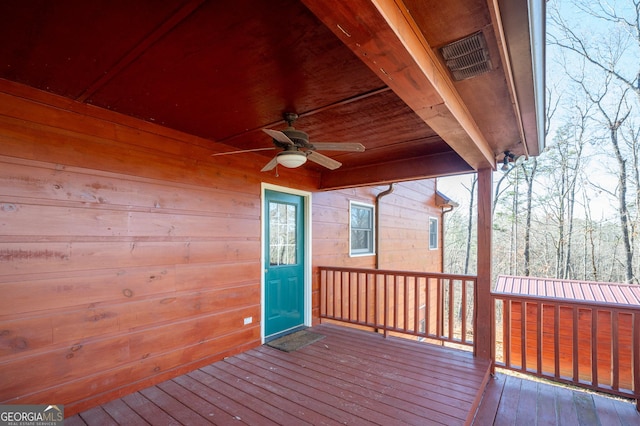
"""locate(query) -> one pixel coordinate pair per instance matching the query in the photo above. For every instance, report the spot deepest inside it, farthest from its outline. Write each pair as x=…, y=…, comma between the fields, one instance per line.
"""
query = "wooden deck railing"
x=426, y=305
x=587, y=344
x=591, y=345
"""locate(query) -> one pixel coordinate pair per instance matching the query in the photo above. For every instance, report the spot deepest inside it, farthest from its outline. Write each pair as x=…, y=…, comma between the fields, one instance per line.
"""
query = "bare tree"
x=623, y=34
x=608, y=70
x=472, y=192
x=529, y=172
x=613, y=118
x=631, y=138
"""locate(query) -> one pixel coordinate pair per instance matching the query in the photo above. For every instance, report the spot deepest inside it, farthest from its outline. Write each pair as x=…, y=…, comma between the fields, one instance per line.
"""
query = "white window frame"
x=437, y=226
x=362, y=252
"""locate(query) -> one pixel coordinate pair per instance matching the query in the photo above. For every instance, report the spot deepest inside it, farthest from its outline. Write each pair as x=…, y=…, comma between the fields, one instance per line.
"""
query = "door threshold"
x=284, y=333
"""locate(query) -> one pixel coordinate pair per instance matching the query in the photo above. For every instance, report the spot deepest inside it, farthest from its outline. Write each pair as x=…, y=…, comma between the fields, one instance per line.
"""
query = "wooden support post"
x=483, y=340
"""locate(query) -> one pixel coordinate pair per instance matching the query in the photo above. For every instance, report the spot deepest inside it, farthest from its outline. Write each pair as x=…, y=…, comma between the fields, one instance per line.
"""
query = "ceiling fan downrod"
x=290, y=118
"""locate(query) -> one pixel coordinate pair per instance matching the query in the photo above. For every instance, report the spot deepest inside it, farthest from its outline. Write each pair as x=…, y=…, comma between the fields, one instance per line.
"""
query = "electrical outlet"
x=248, y=320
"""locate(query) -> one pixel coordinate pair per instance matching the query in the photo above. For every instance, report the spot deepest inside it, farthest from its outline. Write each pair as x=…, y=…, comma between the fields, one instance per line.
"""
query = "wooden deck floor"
x=511, y=400
x=349, y=377
x=357, y=378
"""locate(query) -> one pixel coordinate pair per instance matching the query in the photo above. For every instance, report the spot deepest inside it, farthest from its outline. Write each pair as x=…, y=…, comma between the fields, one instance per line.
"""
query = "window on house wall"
x=433, y=233
x=361, y=229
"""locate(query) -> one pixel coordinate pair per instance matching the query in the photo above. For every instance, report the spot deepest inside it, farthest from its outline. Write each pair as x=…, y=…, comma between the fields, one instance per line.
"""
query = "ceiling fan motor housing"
x=300, y=138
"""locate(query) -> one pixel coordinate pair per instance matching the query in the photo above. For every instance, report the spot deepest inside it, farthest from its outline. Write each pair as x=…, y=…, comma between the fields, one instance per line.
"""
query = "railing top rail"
x=402, y=273
x=399, y=273
x=565, y=301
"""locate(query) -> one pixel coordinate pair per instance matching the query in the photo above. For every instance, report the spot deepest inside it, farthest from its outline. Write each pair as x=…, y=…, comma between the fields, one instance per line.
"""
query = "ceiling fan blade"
x=270, y=165
x=243, y=151
x=279, y=136
x=337, y=146
x=323, y=160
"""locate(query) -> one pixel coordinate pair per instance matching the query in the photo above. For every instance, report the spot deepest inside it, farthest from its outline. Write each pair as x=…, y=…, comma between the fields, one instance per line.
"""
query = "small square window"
x=433, y=233
x=361, y=229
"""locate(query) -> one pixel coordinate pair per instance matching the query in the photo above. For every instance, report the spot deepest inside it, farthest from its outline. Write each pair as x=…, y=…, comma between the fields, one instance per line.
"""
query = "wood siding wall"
x=404, y=227
x=128, y=255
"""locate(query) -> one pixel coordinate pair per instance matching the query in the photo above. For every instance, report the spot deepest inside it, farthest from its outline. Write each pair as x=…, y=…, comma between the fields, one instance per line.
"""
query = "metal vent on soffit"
x=467, y=57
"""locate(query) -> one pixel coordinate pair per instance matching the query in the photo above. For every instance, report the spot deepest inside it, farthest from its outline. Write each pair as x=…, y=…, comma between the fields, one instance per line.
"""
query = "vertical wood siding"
x=128, y=255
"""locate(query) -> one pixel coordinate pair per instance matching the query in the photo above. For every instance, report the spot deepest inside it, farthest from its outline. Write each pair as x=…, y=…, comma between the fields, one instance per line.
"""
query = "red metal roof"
x=584, y=291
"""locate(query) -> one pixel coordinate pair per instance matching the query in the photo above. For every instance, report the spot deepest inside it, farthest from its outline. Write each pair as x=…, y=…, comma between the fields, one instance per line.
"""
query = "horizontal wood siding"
x=129, y=255
x=404, y=228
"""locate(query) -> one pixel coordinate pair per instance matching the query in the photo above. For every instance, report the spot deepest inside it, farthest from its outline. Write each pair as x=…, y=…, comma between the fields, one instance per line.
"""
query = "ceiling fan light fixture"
x=291, y=159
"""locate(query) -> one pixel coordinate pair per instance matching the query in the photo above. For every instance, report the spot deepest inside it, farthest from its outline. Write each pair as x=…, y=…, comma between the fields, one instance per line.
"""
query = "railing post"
x=636, y=358
x=482, y=341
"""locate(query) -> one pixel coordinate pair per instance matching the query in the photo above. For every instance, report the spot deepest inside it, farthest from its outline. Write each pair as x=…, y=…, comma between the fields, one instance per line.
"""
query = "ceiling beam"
x=425, y=167
x=384, y=36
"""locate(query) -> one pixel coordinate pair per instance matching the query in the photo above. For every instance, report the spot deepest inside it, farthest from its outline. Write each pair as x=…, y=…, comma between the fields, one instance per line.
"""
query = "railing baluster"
x=451, y=309
x=439, y=318
x=615, y=351
x=349, y=275
x=376, y=302
x=594, y=347
x=506, y=331
x=576, y=378
x=539, y=317
x=463, y=311
x=366, y=299
x=556, y=341
x=523, y=333
x=386, y=306
x=427, y=305
x=395, y=301
x=636, y=358
x=406, y=304
x=416, y=304
x=323, y=293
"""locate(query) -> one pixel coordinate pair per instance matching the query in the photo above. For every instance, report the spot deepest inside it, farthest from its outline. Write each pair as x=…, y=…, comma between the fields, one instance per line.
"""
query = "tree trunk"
x=529, y=178
x=623, y=212
x=470, y=224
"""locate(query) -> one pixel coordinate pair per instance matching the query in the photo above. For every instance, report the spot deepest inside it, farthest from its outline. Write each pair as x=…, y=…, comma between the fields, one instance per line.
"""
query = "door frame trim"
x=307, y=250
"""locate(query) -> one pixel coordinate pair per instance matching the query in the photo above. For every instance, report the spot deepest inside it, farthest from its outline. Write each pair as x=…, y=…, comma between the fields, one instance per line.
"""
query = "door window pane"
x=282, y=227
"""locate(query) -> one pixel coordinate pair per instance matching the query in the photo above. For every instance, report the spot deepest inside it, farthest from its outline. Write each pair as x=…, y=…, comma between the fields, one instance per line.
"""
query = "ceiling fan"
x=296, y=148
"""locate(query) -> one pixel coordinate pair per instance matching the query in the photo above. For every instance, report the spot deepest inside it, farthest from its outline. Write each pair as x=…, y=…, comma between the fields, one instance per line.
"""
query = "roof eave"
x=524, y=56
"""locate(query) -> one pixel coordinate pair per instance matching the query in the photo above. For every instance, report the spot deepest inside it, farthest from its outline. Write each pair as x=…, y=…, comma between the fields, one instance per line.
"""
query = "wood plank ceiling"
x=359, y=71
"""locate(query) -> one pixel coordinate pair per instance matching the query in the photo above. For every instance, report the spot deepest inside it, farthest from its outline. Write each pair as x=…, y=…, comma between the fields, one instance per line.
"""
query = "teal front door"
x=284, y=262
